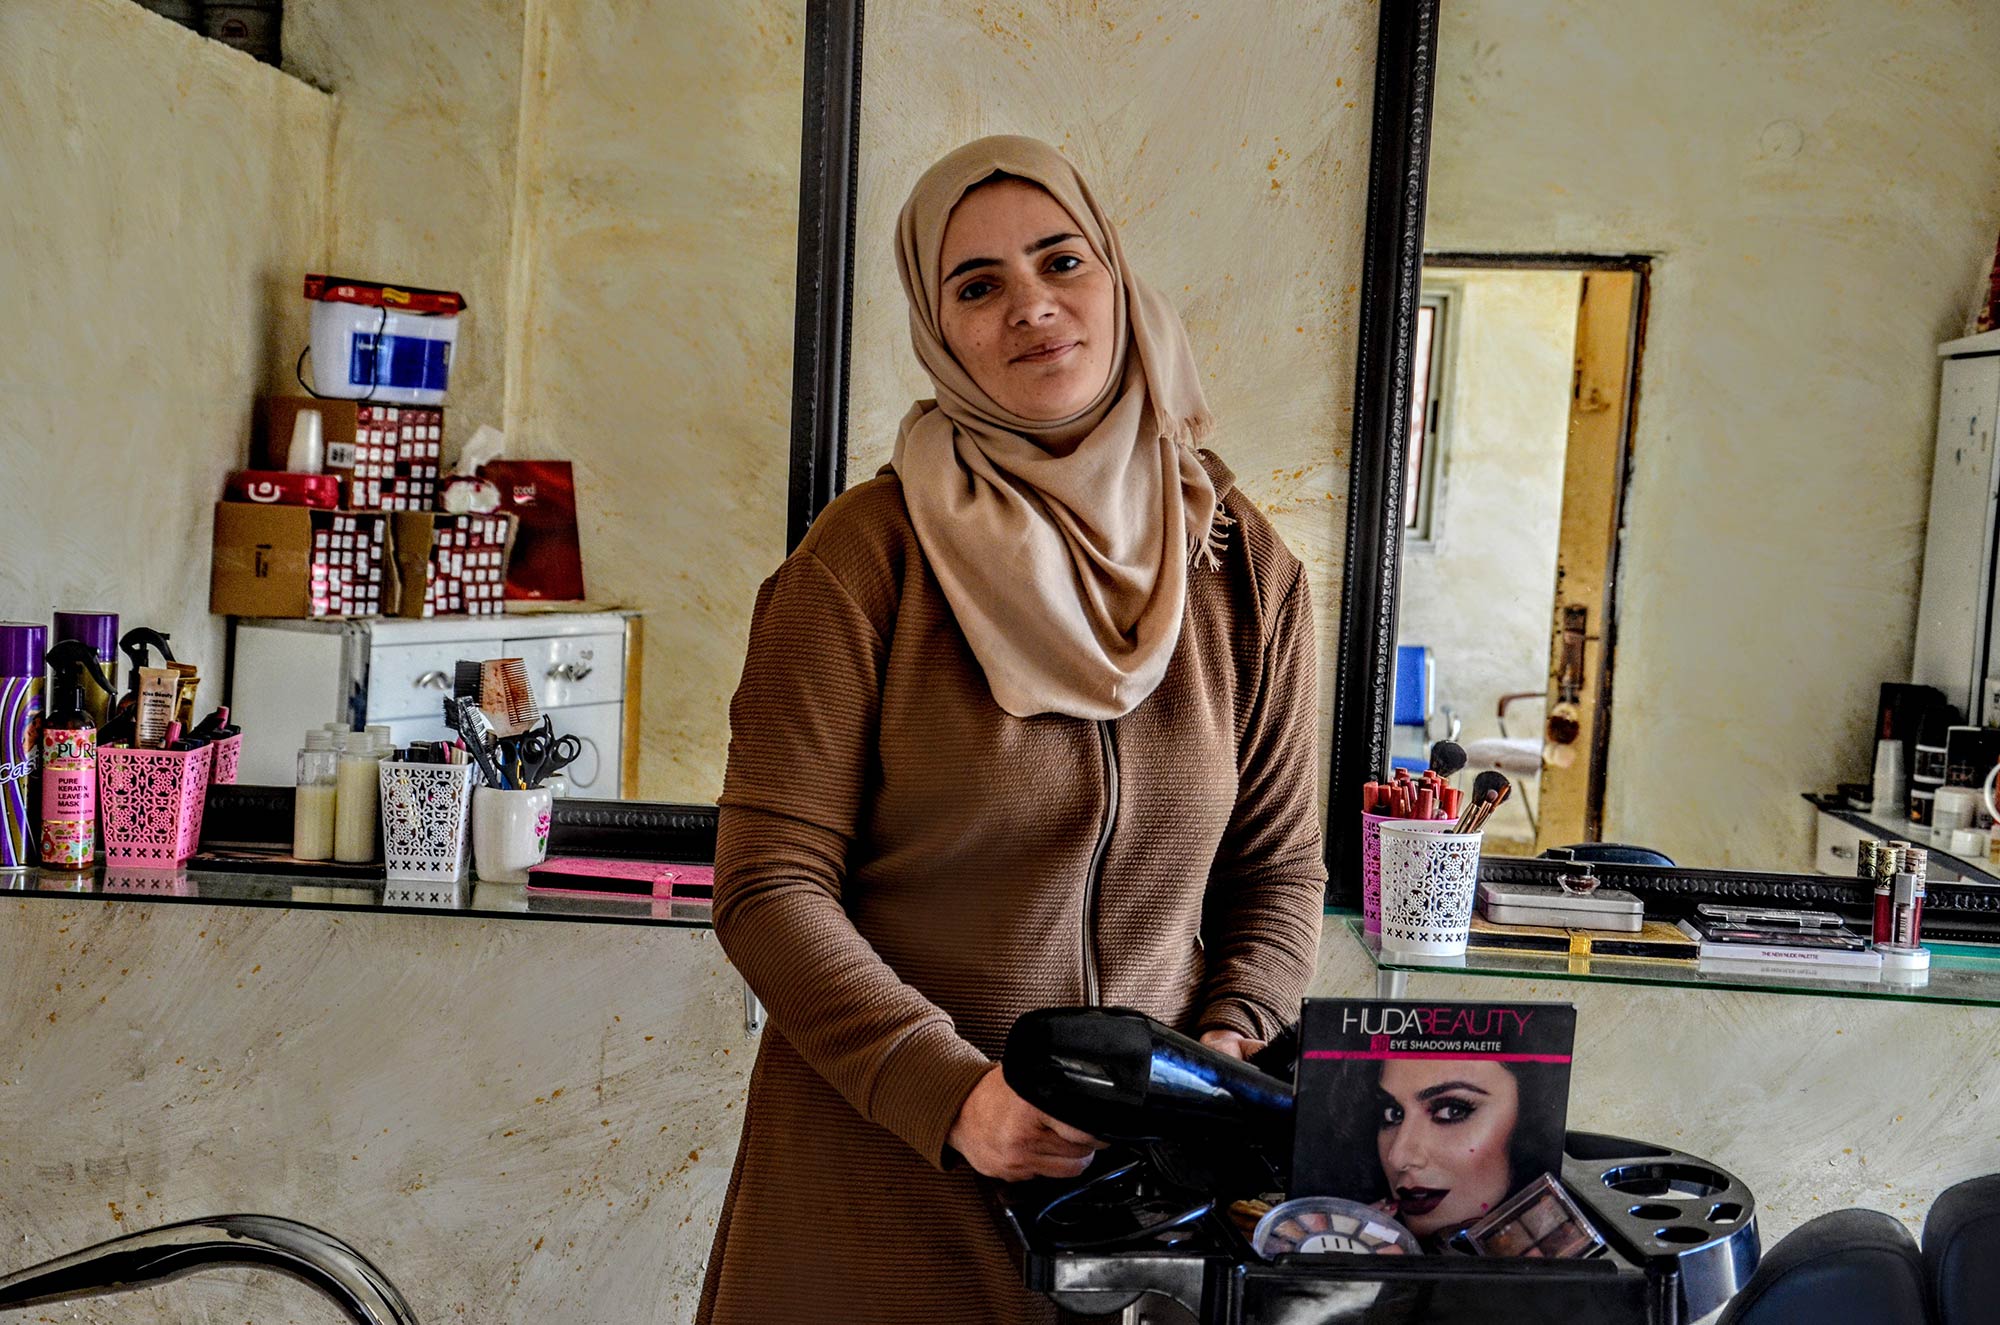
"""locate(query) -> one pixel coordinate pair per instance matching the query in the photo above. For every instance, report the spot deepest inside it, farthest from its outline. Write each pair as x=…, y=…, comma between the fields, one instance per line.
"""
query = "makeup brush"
x=1447, y=757
x=1491, y=783
x=1486, y=810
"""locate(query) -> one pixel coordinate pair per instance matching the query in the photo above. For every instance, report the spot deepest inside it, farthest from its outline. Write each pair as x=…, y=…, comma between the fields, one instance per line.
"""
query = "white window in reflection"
x=1427, y=380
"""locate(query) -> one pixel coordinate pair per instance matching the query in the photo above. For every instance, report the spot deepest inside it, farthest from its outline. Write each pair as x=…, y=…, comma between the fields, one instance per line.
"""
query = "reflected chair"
x=1850, y=1265
x=1610, y=853
x=1519, y=757
x=1962, y=1253
x=1413, y=720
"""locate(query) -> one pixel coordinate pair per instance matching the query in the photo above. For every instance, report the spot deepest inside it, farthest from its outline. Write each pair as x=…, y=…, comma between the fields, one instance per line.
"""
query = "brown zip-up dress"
x=902, y=868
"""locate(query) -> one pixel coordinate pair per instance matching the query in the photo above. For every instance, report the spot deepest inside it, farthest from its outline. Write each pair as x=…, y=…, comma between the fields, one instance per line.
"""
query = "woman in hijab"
x=1026, y=720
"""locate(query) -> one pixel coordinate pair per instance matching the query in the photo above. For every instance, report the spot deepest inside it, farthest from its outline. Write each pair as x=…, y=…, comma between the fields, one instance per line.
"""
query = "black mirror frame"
x=1391, y=274
x=829, y=177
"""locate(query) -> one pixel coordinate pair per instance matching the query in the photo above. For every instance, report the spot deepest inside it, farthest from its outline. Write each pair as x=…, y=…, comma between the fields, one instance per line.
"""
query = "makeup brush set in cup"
x=1420, y=838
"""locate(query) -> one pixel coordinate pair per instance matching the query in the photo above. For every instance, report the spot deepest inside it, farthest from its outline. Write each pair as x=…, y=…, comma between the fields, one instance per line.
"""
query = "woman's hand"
x=1233, y=1044
x=1003, y=1136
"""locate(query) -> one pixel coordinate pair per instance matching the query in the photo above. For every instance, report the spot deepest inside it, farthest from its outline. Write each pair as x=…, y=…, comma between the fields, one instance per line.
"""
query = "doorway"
x=1519, y=447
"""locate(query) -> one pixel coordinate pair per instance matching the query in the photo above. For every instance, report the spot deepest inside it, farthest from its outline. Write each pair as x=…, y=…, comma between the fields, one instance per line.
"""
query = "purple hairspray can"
x=100, y=631
x=22, y=646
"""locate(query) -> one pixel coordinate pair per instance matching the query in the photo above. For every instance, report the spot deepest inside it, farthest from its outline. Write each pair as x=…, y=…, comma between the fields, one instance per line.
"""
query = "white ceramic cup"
x=510, y=832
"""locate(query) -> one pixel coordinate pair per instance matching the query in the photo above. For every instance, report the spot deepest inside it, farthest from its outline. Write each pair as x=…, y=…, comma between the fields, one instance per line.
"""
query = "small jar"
x=314, y=797
x=358, y=807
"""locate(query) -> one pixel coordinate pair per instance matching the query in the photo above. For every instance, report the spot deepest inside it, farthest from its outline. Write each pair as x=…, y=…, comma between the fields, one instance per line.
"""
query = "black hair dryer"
x=1121, y=1076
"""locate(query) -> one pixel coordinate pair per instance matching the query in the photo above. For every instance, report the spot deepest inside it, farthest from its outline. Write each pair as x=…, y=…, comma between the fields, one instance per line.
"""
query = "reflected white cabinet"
x=1955, y=621
x=287, y=676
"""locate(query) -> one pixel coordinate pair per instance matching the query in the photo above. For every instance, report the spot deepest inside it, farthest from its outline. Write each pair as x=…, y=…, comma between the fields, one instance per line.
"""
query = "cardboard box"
x=386, y=456
x=295, y=561
x=451, y=565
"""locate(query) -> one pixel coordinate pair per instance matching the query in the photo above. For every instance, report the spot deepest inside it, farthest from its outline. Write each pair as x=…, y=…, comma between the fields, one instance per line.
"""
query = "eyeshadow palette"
x=1539, y=1220
x=1328, y=1224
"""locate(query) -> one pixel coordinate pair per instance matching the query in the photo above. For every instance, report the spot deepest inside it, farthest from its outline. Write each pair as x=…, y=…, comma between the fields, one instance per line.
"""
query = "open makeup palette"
x=1679, y=1234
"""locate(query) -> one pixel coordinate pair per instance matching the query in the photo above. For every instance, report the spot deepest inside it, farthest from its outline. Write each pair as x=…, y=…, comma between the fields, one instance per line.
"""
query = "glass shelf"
x=338, y=892
x=1961, y=974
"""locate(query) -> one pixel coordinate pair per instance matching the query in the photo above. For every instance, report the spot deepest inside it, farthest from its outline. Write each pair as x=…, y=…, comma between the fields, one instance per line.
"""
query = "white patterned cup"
x=510, y=832
x=425, y=808
x=1428, y=881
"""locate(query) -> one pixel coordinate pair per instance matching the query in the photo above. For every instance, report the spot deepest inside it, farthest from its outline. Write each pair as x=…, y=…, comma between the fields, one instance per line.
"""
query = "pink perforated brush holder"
x=223, y=768
x=1371, y=862
x=152, y=801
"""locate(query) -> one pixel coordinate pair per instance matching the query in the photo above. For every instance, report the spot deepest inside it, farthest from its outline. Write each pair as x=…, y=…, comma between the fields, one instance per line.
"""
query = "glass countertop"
x=351, y=890
x=1966, y=975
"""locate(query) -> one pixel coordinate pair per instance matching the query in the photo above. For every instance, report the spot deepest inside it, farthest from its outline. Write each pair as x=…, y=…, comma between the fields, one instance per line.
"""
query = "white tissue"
x=488, y=443
x=463, y=490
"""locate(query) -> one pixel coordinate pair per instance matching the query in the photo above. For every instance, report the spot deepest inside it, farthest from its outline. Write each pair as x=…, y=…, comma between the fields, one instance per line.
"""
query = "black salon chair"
x=1962, y=1253
x=1850, y=1265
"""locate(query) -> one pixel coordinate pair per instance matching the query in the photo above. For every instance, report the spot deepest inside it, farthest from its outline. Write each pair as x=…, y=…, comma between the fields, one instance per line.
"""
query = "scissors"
x=543, y=754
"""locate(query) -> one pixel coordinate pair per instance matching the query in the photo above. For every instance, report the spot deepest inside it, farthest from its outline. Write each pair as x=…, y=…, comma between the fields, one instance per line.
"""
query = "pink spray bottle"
x=69, y=761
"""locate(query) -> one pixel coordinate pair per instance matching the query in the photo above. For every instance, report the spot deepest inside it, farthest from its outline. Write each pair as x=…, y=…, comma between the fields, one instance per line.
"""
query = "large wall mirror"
x=1661, y=291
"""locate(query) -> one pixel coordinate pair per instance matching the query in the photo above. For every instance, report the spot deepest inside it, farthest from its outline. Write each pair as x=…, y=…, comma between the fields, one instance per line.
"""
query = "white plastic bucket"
x=365, y=353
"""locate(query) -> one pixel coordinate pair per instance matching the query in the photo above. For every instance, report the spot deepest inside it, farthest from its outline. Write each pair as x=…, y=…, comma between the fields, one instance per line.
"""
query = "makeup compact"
x=1541, y=904
x=1539, y=1220
x=1319, y=1224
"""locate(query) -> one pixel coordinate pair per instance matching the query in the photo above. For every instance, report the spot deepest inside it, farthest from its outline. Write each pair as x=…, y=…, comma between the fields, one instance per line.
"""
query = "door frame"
x=1606, y=610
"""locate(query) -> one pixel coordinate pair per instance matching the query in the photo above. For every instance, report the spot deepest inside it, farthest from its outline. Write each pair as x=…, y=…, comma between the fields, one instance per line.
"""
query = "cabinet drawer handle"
x=1840, y=853
x=569, y=671
x=433, y=680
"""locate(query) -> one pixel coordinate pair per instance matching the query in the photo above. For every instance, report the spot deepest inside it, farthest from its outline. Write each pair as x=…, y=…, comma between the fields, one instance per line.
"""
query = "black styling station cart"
x=1193, y=1131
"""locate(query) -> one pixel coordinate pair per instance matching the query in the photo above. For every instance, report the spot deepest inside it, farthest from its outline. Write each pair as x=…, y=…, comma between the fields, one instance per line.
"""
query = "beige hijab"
x=1062, y=547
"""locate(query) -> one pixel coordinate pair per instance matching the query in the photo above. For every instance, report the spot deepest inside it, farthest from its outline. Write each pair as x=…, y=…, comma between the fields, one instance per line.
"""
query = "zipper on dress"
x=1091, y=993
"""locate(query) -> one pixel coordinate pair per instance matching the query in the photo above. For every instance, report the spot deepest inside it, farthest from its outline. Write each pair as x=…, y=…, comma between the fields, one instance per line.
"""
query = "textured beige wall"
x=1479, y=593
x=657, y=241
x=1230, y=146
x=1818, y=182
x=426, y=110
x=522, y=1121
x=162, y=195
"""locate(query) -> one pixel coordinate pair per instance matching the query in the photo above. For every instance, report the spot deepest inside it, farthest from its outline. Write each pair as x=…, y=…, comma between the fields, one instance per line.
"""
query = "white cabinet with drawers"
x=287, y=676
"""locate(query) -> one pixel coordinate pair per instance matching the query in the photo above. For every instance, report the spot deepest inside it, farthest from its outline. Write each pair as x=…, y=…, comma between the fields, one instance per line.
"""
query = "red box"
x=269, y=487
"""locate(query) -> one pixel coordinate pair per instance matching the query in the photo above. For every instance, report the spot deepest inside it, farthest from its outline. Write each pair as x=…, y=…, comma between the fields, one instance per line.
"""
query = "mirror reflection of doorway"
x=1518, y=447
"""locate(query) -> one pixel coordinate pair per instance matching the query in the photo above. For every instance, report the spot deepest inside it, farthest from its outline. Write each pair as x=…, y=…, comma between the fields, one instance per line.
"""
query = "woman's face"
x=1443, y=1134
x=1027, y=306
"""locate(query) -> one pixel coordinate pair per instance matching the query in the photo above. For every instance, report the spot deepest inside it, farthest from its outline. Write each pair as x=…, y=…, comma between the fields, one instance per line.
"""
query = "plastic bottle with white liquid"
x=359, y=792
x=313, y=804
